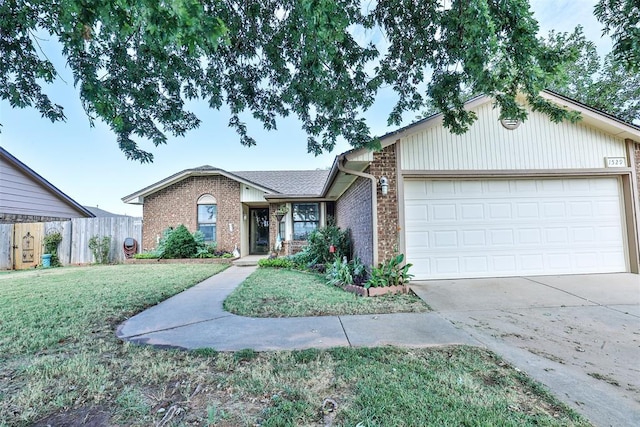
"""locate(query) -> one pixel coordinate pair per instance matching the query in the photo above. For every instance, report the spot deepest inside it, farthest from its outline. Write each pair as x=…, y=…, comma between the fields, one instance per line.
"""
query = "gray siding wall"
x=353, y=211
x=22, y=195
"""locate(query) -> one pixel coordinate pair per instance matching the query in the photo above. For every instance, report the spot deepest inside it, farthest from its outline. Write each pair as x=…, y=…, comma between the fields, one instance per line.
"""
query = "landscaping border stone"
x=374, y=292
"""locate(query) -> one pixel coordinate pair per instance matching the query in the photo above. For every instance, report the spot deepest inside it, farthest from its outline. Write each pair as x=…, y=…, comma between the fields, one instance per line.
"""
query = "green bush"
x=300, y=260
x=342, y=272
x=276, y=263
x=51, y=243
x=100, y=247
x=390, y=273
x=179, y=243
x=321, y=241
x=146, y=255
x=206, y=250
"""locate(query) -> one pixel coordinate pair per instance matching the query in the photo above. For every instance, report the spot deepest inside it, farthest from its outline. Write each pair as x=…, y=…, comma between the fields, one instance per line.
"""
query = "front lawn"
x=61, y=364
x=271, y=292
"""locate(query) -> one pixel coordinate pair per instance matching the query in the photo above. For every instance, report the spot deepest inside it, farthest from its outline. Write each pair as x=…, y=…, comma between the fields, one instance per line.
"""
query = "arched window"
x=207, y=217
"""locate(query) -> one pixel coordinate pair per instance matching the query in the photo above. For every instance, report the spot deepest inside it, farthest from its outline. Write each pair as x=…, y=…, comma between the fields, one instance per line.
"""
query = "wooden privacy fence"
x=21, y=245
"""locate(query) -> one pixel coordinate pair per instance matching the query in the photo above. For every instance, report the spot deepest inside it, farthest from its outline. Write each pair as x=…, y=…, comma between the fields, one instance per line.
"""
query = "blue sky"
x=87, y=165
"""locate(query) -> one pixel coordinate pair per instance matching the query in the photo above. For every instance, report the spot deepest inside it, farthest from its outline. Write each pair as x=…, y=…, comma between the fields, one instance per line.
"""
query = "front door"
x=259, y=231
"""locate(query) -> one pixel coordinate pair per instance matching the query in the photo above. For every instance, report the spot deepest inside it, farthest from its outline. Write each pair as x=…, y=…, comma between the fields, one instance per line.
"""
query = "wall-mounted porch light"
x=384, y=185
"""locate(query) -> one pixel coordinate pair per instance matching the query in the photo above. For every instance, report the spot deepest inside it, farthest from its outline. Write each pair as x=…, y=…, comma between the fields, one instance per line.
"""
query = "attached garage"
x=460, y=228
x=505, y=198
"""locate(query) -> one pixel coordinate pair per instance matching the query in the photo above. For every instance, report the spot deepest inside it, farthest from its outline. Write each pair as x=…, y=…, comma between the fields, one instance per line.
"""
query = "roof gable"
x=296, y=183
x=598, y=119
x=25, y=184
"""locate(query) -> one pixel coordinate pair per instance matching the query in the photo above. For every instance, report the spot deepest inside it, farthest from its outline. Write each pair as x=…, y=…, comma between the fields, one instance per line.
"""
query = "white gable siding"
x=536, y=144
x=251, y=194
x=20, y=194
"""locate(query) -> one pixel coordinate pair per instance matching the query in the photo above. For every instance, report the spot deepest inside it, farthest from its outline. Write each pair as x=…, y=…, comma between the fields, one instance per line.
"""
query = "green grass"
x=65, y=314
x=273, y=292
x=72, y=369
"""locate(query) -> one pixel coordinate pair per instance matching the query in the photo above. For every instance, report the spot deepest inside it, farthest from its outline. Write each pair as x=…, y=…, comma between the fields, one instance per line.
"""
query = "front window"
x=306, y=218
x=207, y=218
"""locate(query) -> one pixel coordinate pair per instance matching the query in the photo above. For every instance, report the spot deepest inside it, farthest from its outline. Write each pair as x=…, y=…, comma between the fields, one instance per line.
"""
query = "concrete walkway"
x=575, y=334
x=195, y=319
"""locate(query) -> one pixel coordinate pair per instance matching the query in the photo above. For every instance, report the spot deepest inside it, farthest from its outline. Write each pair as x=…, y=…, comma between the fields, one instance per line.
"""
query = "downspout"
x=374, y=202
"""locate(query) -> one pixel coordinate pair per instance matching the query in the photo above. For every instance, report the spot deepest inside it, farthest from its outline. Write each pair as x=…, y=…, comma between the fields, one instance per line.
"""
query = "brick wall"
x=177, y=204
x=273, y=225
x=353, y=211
x=384, y=164
x=6, y=218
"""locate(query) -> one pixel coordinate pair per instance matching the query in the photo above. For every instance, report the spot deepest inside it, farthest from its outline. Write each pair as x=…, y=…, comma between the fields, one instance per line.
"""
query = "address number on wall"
x=615, y=162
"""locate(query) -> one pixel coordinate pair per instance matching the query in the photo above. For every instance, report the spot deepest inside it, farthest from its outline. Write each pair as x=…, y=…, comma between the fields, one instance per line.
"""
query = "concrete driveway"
x=579, y=335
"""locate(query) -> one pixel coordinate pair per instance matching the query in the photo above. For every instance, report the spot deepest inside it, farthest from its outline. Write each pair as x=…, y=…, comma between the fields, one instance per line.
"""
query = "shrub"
x=146, y=255
x=276, y=263
x=300, y=260
x=390, y=273
x=339, y=273
x=100, y=247
x=179, y=243
x=321, y=241
x=51, y=243
x=342, y=272
x=207, y=250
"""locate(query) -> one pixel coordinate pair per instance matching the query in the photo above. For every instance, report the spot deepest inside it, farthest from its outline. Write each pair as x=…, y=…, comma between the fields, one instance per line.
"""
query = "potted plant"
x=51, y=242
x=281, y=212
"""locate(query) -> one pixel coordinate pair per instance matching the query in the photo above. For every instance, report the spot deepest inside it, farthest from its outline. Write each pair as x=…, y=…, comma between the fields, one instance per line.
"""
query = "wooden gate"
x=27, y=245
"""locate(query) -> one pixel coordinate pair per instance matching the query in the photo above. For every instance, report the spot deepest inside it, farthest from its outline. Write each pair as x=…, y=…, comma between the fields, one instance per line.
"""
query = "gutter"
x=374, y=201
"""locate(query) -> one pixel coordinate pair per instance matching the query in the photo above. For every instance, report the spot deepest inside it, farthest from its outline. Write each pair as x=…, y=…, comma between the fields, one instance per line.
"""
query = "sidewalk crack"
x=345, y=331
x=126, y=337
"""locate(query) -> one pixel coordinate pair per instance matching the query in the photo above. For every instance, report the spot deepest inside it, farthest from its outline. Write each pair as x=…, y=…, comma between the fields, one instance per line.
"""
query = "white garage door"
x=499, y=228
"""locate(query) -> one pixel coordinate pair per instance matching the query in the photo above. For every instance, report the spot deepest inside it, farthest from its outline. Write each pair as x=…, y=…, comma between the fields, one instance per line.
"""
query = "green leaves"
x=621, y=19
x=137, y=62
x=604, y=85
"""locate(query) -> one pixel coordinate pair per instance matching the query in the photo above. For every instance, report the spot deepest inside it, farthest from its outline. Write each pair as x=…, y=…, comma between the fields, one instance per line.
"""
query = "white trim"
x=207, y=199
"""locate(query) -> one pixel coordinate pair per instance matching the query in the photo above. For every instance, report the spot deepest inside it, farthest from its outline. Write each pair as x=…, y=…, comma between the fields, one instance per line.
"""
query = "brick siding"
x=19, y=218
x=384, y=164
x=177, y=204
x=353, y=212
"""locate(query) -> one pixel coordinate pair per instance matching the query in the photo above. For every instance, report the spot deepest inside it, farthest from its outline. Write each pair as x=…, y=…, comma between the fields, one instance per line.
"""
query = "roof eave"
x=612, y=124
x=293, y=196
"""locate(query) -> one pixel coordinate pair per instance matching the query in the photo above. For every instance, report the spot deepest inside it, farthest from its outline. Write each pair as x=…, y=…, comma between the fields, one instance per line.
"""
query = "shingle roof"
x=289, y=183
x=98, y=213
x=300, y=182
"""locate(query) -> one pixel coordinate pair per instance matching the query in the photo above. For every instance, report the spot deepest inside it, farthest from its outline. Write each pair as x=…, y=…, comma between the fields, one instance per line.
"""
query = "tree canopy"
x=603, y=84
x=138, y=62
x=621, y=19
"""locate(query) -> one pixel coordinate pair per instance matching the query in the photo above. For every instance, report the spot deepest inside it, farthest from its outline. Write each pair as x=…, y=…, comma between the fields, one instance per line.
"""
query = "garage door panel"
x=490, y=228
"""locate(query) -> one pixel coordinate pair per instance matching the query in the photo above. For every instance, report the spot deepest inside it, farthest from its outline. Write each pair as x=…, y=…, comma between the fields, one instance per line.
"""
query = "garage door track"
x=579, y=335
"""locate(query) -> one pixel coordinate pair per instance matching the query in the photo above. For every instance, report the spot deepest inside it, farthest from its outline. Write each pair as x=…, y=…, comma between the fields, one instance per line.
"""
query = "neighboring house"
x=25, y=196
x=503, y=199
x=101, y=213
